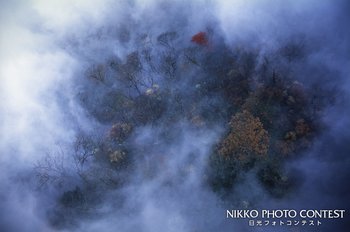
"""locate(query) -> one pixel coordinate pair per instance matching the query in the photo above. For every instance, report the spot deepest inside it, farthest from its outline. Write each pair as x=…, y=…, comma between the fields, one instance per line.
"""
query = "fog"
x=47, y=49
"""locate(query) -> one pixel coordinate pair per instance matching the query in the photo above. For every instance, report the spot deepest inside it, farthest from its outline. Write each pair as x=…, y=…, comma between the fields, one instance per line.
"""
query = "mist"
x=59, y=61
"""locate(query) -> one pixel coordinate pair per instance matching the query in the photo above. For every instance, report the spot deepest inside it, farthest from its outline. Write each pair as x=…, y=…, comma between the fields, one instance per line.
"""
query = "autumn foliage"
x=200, y=38
x=148, y=99
x=247, y=138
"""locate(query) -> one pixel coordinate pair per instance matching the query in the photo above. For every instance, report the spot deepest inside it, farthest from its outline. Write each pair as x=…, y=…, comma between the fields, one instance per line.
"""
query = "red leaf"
x=200, y=38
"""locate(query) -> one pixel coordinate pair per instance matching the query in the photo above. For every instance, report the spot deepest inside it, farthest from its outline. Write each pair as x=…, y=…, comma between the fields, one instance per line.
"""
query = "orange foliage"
x=247, y=138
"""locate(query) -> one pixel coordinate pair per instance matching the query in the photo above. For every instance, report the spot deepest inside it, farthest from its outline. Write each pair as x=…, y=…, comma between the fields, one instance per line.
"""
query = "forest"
x=262, y=116
x=161, y=116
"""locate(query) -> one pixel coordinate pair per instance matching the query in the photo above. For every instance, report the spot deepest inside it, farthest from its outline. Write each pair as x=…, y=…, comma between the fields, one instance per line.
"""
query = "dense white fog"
x=48, y=47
